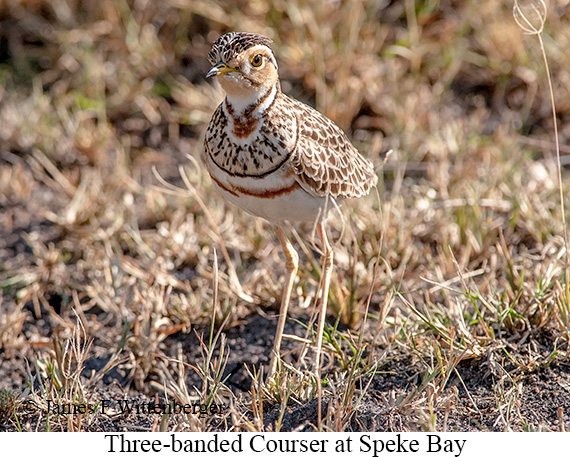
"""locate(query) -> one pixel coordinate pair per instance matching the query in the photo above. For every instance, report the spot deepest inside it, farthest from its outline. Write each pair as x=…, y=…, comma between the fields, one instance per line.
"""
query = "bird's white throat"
x=258, y=99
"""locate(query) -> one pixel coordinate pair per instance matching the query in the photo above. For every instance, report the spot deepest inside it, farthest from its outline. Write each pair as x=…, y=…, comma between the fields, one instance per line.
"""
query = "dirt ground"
x=539, y=396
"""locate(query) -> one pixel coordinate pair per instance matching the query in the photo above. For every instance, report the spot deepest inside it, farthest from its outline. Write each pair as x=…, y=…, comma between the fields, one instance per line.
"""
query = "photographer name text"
x=129, y=407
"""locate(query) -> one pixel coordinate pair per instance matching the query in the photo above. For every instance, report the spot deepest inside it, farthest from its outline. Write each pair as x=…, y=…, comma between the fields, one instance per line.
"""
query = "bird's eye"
x=257, y=60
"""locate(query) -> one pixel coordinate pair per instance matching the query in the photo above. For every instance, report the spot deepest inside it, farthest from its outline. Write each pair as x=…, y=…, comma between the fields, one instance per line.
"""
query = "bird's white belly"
x=276, y=197
x=297, y=205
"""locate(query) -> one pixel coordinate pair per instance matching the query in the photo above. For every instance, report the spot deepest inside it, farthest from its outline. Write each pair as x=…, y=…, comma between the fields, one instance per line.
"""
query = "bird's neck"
x=251, y=103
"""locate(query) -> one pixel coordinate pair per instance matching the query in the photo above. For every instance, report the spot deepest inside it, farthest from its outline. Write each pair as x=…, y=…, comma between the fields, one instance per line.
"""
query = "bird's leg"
x=327, y=271
x=292, y=265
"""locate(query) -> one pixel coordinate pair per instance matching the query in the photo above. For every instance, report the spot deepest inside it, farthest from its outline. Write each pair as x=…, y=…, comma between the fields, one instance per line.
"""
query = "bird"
x=279, y=159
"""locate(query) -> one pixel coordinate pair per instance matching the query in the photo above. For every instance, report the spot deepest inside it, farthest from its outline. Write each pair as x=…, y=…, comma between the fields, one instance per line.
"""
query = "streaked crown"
x=229, y=46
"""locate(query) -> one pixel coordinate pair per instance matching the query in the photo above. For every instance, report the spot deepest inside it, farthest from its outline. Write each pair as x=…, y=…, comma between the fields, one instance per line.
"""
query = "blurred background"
x=100, y=101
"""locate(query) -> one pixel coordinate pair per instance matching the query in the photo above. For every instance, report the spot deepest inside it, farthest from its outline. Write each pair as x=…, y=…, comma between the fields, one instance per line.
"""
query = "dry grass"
x=103, y=261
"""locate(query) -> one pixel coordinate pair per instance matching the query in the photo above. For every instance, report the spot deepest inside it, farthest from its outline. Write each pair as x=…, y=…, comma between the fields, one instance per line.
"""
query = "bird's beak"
x=219, y=69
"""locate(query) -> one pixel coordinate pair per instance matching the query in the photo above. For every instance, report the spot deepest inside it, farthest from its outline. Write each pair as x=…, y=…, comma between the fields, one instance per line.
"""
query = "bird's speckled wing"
x=325, y=161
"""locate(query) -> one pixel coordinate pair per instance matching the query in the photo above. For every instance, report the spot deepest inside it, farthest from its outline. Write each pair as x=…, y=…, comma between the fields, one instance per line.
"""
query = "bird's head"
x=244, y=64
